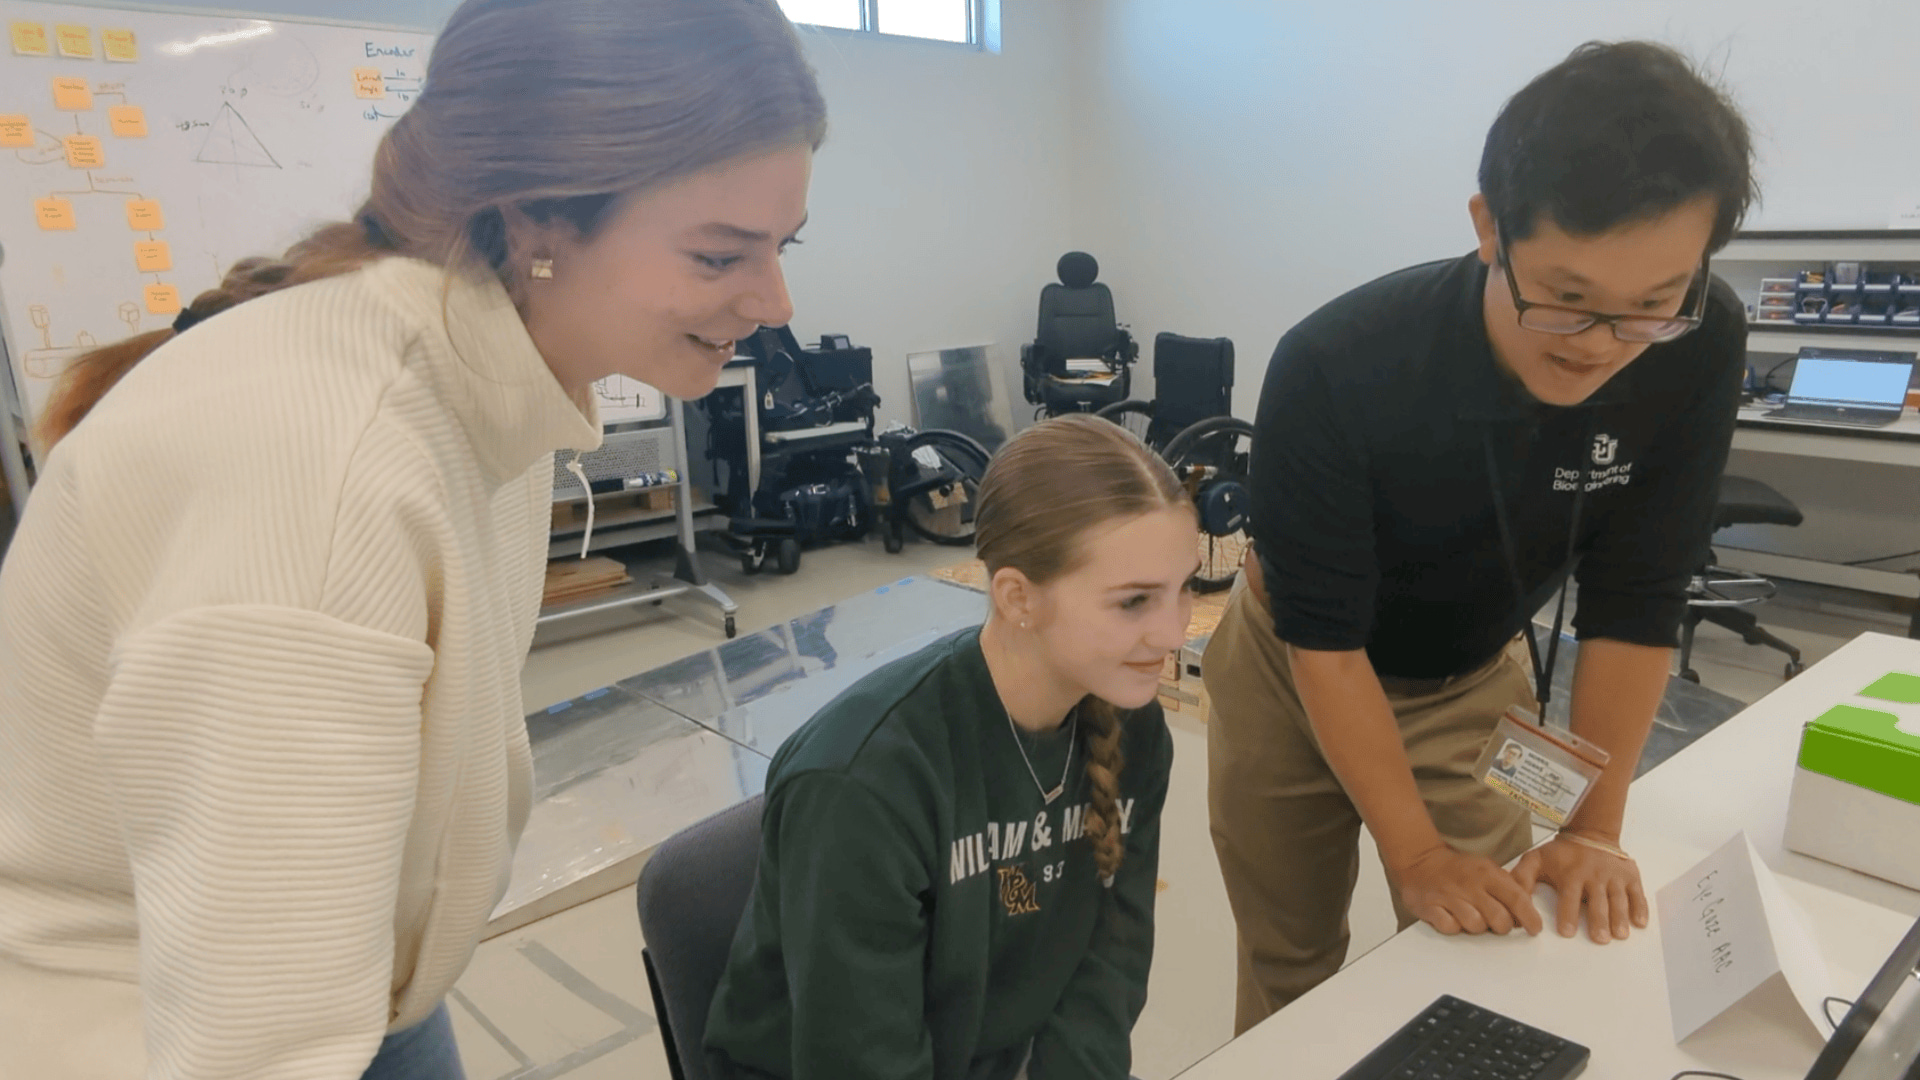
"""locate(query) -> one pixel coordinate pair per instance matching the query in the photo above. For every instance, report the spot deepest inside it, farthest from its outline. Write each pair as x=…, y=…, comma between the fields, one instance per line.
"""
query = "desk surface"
x=1905, y=429
x=1613, y=998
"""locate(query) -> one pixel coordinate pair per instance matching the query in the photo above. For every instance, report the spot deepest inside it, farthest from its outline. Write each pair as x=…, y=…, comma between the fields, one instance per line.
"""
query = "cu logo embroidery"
x=1016, y=891
x=1605, y=448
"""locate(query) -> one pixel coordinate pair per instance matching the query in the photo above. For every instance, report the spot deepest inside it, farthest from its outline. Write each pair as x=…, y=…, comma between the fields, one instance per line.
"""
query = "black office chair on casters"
x=1077, y=324
x=1721, y=596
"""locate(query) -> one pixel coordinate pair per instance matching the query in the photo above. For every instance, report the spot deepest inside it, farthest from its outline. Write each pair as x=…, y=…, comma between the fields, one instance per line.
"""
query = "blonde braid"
x=1104, y=762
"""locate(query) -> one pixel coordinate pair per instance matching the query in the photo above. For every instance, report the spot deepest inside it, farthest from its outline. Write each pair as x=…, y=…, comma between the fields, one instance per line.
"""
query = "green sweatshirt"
x=920, y=911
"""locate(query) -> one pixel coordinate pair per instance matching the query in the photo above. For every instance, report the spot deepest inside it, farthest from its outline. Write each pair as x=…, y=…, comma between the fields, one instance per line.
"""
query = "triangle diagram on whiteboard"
x=231, y=141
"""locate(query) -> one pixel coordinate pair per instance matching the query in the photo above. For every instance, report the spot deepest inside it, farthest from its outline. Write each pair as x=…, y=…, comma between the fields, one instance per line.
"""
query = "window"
x=958, y=21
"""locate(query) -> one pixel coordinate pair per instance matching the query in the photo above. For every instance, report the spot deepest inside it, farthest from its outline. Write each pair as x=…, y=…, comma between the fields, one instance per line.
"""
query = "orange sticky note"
x=152, y=256
x=53, y=214
x=85, y=152
x=143, y=215
x=16, y=131
x=71, y=94
x=119, y=46
x=369, y=83
x=163, y=300
x=30, y=39
x=128, y=121
x=75, y=40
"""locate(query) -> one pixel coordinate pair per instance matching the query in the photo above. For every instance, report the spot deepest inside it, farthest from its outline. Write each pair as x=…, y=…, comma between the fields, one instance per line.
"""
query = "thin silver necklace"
x=1065, y=771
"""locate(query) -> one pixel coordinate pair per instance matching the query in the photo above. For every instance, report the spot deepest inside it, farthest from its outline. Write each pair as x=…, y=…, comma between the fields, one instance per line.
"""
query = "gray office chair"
x=691, y=896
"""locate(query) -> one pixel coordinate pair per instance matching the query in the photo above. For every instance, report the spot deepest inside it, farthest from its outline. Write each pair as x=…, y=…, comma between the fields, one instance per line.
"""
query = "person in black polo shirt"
x=1434, y=453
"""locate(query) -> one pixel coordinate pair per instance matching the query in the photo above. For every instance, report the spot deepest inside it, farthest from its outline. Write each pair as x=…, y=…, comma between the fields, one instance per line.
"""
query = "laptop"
x=1856, y=387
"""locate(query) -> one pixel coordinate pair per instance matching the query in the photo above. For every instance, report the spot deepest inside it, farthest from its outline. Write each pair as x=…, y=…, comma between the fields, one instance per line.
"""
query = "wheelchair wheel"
x=936, y=484
x=1135, y=416
x=1211, y=458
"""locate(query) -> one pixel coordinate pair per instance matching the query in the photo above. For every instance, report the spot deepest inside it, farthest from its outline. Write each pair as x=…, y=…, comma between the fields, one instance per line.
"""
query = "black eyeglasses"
x=1639, y=329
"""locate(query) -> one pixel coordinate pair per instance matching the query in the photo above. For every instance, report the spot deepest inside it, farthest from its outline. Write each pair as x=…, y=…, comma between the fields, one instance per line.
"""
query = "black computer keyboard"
x=1452, y=1040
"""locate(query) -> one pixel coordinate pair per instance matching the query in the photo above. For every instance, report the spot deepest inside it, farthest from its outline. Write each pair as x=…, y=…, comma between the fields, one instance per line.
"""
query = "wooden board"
x=569, y=580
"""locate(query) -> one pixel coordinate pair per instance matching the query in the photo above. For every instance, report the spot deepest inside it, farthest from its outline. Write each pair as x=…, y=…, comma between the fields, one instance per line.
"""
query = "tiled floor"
x=566, y=996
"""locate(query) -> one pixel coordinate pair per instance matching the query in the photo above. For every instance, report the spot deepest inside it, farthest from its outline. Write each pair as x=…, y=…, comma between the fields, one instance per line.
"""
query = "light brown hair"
x=1045, y=489
x=553, y=109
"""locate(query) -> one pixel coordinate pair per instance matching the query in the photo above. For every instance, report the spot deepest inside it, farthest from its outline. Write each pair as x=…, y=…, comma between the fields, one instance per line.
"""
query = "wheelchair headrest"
x=1077, y=269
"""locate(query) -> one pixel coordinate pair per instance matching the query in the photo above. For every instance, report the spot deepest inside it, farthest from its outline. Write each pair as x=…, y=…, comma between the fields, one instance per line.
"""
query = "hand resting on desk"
x=1606, y=885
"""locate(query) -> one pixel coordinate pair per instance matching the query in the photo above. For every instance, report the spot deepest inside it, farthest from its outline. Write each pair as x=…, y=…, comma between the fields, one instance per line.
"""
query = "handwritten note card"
x=1727, y=929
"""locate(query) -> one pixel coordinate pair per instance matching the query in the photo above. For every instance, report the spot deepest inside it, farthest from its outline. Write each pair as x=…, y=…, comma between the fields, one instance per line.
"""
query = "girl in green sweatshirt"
x=958, y=865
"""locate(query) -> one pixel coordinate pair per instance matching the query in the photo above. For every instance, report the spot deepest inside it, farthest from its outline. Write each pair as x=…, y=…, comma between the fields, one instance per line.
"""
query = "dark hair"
x=1616, y=134
x=627, y=95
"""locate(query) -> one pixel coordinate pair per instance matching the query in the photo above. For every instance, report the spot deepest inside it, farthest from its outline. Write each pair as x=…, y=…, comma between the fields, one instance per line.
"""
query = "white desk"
x=1613, y=998
x=1896, y=444
x=1857, y=488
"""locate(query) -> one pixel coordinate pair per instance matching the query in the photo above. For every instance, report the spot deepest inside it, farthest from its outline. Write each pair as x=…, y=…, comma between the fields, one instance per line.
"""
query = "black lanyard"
x=1542, y=673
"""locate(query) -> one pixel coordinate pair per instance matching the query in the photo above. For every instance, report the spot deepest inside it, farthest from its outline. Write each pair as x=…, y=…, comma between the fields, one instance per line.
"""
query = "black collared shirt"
x=1372, y=502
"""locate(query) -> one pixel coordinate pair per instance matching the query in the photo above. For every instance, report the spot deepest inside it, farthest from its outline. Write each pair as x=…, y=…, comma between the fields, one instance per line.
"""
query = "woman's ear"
x=1014, y=596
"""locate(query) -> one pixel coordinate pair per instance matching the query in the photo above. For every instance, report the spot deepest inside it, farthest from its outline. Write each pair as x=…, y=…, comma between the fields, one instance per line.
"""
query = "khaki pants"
x=1285, y=832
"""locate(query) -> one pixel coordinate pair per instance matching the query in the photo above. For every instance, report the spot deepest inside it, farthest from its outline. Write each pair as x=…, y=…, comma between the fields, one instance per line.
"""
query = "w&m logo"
x=1016, y=891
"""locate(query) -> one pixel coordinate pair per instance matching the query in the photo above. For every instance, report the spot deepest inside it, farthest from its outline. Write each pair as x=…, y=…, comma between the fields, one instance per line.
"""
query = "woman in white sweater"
x=262, y=757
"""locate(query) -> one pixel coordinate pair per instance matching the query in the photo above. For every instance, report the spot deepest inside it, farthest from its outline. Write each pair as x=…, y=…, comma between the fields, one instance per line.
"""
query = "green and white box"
x=1856, y=793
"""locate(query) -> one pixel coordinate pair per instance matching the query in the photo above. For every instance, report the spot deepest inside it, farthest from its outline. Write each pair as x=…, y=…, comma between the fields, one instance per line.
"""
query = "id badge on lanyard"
x=1548, y=770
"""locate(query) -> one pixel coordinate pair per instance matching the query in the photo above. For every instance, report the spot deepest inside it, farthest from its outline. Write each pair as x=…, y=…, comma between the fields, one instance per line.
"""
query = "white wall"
x=940, y=199
x=1257, y=159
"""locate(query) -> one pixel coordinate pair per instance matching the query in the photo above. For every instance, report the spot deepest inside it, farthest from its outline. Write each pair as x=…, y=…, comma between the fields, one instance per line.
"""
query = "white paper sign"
x=1726, y=930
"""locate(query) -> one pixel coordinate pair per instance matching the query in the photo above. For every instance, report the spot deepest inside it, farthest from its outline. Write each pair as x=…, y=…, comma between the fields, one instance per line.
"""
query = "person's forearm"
x=1616, y=690
x=1361, y=741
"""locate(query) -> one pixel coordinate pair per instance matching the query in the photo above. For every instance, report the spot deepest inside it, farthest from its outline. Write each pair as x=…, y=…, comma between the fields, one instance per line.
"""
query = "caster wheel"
x=750, y=564
x=787, y=555
x=1794, y=667
x=729, y=628
x=1691, y=676
x=893, y=541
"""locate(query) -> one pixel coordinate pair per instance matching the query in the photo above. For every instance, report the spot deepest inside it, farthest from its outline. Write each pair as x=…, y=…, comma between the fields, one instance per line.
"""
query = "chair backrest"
x=1076, y=315
x=1192, y=381
x=691, y=896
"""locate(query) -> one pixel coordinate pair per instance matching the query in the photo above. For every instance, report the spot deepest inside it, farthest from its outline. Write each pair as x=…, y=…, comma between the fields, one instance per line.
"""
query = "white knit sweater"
x=262, y=757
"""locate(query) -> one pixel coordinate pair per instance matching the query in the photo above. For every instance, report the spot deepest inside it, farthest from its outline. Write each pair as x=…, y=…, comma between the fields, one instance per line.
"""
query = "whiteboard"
x=142, y=153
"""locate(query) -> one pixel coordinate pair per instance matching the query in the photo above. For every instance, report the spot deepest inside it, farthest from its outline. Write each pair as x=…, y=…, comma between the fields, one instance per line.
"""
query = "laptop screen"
x=1850, y=377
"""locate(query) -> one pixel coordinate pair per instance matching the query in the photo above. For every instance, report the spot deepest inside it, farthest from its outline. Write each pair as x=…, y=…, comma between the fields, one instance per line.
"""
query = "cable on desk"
x=1826, y=1006
x=1697, y=1072
x=1881, y=558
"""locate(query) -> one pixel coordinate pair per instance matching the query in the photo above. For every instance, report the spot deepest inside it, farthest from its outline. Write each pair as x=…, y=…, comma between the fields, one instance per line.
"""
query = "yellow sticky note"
x=143, y=215
x=53, y=214
x=152, y=256
x=369, y=83
x=16, y=131
x=128, y=121
x=75, y=40
x=85, y=152
x=163, y=300
x=119, y=46
x=30, y=39
x=71, y=94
